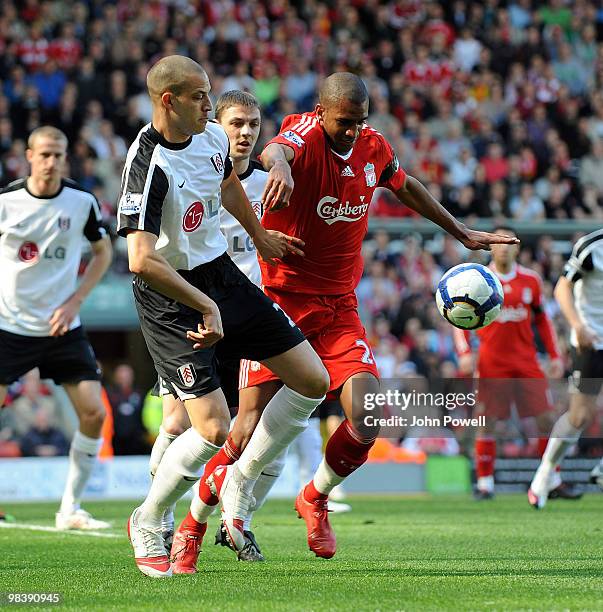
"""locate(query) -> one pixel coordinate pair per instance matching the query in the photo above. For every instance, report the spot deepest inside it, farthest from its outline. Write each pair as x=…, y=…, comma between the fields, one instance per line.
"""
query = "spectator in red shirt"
x=67, y=49
x=495, y=164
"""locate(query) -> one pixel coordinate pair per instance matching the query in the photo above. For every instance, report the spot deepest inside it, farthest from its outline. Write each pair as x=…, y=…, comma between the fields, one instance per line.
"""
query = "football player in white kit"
x=239, y=114
x=579, y=293
x=43, y=218
x=197, y=309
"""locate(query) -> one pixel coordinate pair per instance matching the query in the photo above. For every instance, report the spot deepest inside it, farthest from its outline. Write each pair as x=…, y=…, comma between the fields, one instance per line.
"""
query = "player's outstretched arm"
x=279, y=186
x=144, y=261
x=415, y=196
x=62, y=317
x=564, y=294
x=269, y=244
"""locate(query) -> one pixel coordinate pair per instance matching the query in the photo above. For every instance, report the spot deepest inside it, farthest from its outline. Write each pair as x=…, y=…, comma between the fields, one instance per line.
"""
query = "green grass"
x=441, y=553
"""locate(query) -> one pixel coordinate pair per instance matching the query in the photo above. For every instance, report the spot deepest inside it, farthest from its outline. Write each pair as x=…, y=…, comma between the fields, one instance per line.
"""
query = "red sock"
x=346, y=450
x=542, y=442
x=311, y=494
x=485, y=455
x=190, y=523
x=227, y=455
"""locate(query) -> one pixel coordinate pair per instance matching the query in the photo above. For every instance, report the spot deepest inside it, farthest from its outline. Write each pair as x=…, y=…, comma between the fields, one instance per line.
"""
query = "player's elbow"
x=561, y=288
x=105, y=253
x=138, y=264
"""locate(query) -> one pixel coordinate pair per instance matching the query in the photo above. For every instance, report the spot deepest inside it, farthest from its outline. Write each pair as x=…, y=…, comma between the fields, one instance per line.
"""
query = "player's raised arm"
x=270, y=244
x=276, y=158
x=414, y=195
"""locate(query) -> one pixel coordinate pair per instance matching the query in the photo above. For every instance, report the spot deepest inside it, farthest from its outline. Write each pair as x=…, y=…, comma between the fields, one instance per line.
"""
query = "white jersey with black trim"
x=40, y=252
x=174, y=191
x=240, y=246
x=585, y=270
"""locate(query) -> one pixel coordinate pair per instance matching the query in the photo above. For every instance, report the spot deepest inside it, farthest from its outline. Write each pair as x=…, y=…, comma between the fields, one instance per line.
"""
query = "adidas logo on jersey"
x=347, y=171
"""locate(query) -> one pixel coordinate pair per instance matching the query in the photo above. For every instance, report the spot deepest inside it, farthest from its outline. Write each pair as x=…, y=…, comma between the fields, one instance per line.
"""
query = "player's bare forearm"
x=63, y=316
x=145, y=262
x=564, y=294
x=415, y=196
x=269, y=244
x=274, y=153
x=279, y=186
x=236, y=203
x=102, y=254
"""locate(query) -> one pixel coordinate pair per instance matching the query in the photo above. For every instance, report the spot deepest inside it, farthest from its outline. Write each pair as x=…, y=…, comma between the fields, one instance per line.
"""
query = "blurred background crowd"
x=497, y=106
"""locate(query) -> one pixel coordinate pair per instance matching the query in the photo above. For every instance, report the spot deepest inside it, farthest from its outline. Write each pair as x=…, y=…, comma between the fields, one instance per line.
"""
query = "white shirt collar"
x=506, y=277
x=346, y=156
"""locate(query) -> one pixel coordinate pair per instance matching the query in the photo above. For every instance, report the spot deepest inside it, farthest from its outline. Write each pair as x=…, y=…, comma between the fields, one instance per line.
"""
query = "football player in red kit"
x=507, y=350
x=335, y=162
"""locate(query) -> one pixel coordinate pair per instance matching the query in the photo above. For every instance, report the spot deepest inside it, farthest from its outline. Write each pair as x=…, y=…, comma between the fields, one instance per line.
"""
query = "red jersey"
x=506, y=346
x=329, y=206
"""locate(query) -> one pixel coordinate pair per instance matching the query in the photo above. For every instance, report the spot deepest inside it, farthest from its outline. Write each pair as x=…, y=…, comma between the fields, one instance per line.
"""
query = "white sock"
x=485, y=483
x=563, y=436
x=82, y=457
x=178, y=471
x=326, y=479
x=162, y=441
x=285, y=416
x=266, y=480
x=308, y=447
x=200, y=511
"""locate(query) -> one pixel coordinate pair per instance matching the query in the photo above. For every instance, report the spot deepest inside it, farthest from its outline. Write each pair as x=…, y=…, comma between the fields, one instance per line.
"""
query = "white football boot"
x=79, y=519
x=235, y=500
x=149, y=549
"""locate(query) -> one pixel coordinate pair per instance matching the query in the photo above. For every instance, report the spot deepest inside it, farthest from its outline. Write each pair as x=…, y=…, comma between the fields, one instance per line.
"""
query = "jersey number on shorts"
x=368, y=356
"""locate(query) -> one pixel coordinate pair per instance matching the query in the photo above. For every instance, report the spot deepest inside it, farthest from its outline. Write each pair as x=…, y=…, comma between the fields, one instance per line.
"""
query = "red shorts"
x=526, y=389
x=332, y=326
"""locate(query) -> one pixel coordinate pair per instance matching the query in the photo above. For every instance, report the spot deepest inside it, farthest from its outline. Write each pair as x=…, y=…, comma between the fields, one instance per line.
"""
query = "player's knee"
x=366, y=428
x=173, y=428
x=174, y=424
x=317, y=383
x=582, y=411
x=92, y=416
x=215, y=431
x=581, y=418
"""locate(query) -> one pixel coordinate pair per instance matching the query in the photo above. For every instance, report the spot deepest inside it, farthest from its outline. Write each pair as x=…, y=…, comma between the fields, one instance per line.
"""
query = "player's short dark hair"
x=236, y=97
x=343, y=86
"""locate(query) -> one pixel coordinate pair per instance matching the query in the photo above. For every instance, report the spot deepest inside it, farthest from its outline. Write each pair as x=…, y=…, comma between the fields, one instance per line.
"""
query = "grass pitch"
x=440, y=553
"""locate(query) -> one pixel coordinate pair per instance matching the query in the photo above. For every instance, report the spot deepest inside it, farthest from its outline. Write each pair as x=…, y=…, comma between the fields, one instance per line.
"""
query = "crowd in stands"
x=496, y=106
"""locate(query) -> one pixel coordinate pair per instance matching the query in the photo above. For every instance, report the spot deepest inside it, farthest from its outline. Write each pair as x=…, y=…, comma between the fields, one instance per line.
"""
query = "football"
x=469, y=296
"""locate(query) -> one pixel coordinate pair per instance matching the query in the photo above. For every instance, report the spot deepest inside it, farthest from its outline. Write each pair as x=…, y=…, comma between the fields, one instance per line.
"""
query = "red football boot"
x=187, y=546
x=321, y=538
